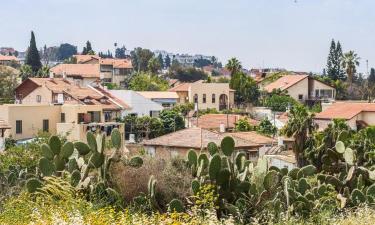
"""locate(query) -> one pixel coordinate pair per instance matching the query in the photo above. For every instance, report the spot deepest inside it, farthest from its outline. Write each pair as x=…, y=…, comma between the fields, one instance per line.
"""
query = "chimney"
x=64, y=75
x=51, y=75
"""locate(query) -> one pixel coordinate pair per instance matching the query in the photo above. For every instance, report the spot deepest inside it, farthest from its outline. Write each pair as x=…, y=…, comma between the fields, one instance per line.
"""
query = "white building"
x=140, y=105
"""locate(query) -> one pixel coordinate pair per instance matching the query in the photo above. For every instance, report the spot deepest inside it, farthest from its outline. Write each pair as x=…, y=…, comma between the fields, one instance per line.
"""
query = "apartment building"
x=205, y=95
x=72, y=121
x=59, y=91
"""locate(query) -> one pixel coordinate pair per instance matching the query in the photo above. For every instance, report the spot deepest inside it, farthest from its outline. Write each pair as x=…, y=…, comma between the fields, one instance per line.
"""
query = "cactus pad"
x=55, y=144
x=227, y=145
x=82, y=148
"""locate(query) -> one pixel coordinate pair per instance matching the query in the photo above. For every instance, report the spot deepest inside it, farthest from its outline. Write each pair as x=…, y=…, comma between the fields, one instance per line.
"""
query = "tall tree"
x=140, y=58
x=66, y=51
x=247, y=90
x=33, y=57
x=334, y=68
x=371, y=77
x=161, y=61
x=120, y=53
x=87, y=50
x=350, y=62
x=167, y=62
x=300, y=127
x=154, y=65
x=234, y=66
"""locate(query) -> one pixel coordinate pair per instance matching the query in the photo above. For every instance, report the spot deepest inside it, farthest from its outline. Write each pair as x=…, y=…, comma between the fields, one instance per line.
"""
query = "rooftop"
x=8, y=58
x=158, y=94
x=345, y=110
x=81, y=70
x=196, y=138
x=85, y=58
x=254, y=137
x=181, y=87
x=117, y=63
x=285, y=82
x=213, y=121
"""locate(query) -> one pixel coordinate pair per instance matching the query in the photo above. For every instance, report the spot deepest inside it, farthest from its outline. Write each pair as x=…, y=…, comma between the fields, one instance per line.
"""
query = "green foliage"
x=176, y=206
x=32, y=56
x=227, y=146
x=265, y=127
x=246, y=88
x=172, y=121
x=140, y=59
x=8, y=82
x=279, y=102
x=243, y=125
x=188, y=74
x=147, y=82
x=143, y=127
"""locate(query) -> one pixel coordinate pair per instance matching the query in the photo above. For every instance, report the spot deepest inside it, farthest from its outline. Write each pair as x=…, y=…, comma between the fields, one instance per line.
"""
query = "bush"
x=279, y=103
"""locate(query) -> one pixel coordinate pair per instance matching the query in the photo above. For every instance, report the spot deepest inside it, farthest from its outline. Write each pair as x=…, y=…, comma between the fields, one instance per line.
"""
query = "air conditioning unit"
x=131, y=138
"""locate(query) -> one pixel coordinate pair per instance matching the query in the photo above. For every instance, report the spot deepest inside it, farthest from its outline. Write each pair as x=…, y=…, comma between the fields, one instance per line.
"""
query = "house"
x=282, y=160
x=303, y=88
x=79, y=74
x=72, y=121
x=62, y=91
x=356, y=114
x=214, y=121
x=115, y=70
x=107, y=70
x=8, y=60
x=263, y=141
x=180, y=142
x=3, y=127
x=140, y=105
x=167, y=99
x=205, y=95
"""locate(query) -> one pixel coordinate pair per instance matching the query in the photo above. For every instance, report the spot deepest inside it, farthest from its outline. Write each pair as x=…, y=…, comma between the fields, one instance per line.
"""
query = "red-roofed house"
x=302, y=88
x=356, y=114
x=214, y=121
x=7, y=60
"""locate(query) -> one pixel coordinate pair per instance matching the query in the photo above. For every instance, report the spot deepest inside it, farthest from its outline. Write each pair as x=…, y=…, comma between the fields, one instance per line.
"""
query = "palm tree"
x=300, y=127
x=349, y=62
x=233, y=66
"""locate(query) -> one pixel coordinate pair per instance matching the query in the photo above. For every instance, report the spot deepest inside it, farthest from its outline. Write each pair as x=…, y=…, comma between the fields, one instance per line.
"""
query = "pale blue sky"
x=273, y=33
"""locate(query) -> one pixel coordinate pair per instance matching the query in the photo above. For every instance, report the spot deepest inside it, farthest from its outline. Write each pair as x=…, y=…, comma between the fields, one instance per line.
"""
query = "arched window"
x=213, y=98
x=204, y=98
x=196, y=98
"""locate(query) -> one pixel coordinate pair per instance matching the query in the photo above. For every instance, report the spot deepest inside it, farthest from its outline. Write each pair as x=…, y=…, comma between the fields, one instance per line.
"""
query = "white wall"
x=139, y=104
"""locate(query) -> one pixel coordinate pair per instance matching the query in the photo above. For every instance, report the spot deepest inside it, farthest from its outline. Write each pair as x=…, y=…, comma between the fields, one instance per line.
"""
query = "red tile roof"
x=213, y=121
x=253, y=137
x=345, y=110
x=195, y=138
x=285, y=82
x=8, y=58
x=117, y=63
x=80, y=70
x=85, y=58
x=181, y=87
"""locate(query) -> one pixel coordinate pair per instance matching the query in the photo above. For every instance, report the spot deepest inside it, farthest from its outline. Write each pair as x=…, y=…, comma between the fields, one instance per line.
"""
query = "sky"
x=290, y=34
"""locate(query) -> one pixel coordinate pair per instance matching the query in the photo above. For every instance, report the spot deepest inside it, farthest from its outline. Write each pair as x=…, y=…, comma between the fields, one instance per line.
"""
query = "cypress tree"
x=371, y=77
x=161, y=61
x=167, y=61
x=33, y=57
x=338, y=58
x=331, y=71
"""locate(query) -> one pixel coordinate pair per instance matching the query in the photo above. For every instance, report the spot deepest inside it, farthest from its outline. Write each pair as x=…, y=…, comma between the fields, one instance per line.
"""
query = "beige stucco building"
x=303, y=88
x=356, y=114
x=72, y=121
x=207, y=95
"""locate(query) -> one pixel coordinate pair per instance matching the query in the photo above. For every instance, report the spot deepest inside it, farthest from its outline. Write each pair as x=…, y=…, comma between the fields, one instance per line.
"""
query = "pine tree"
x=33, y=57
x=167, y=61
x=87, y=49
x=338, y=58
x=161, y=61
x=331, y=71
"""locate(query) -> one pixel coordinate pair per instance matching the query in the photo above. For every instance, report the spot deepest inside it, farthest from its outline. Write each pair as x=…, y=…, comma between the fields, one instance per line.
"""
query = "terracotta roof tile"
x=213, y=121
x=8, y=58
x=254, y=137
x=181, y=87
x=117, y=63
x=345, y=110
x=284, y=82
x=85, y=58
x=195, y=138
x=81, y=70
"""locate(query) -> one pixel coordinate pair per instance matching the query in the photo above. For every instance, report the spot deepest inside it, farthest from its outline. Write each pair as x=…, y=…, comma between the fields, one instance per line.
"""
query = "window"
x=300, y=97
x=45, y=125
x=204, y=98
x=213, y=98
x=317, y=93
x=62, y=117
x=195, y=98
x=39, y=98
x=18, y=126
